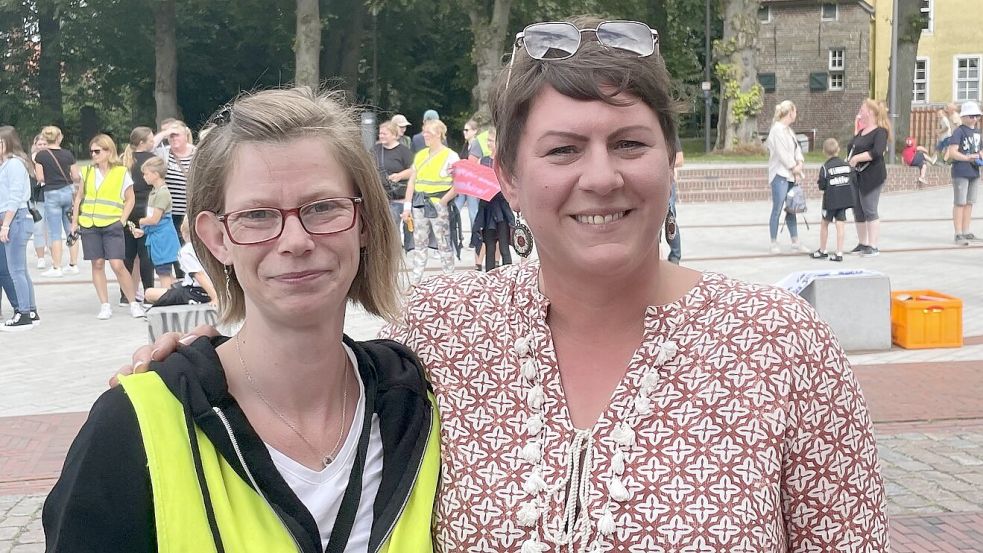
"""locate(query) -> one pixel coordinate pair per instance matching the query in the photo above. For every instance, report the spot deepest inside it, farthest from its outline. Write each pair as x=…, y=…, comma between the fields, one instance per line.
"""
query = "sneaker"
x=53, y=272
x=42, y=264
x=797, y=247
x=870, y=251
x=775, y=249
x=123, y=302
x=961, y=240
x=819, y=254
x=921, y=181
x=970, y=236
x=18, y=323
x=136, y=311
x=35, y=319
x=105, y=312
x=858, y=249
x=836, y=257
x=72, y=270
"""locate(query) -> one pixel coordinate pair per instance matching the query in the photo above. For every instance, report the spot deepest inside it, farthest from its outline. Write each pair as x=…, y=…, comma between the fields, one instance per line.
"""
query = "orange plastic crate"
x=926, y=319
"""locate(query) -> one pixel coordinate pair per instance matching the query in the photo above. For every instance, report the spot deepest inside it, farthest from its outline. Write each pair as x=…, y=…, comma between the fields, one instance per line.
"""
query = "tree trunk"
x=490, y=34
x=741, y=95
x=307, y=45
x=49, y=64
x=351, y=51
x=910, y=22
x=165, y=52
x=342, y=46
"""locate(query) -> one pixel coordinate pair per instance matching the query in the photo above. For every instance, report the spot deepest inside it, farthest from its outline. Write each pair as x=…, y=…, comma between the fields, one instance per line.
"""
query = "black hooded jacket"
x=102, y=501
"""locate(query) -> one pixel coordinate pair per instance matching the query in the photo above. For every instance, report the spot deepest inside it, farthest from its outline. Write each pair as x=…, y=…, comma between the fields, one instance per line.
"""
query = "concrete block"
x=856, y=307
x=179, y=318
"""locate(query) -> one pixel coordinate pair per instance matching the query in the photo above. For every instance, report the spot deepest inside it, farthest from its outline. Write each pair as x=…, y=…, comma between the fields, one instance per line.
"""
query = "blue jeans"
x=15, y=254
x=396, y=208
x=675, y=244
x=461, y=200
x=57, y=212
x=779, y=189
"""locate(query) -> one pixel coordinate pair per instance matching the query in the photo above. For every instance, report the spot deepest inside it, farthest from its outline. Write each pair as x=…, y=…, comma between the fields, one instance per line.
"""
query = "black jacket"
x=102, y=502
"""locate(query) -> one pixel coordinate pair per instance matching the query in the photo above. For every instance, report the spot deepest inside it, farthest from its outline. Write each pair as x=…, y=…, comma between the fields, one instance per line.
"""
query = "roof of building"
x=866, y=6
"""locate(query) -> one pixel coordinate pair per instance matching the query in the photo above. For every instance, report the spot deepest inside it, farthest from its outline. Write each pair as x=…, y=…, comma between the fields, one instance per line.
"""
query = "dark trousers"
x=137, y=247
x=499, y=235
x=177, y=220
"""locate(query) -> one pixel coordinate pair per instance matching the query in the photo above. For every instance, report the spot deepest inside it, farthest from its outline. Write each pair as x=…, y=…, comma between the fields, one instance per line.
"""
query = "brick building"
x=816, y=54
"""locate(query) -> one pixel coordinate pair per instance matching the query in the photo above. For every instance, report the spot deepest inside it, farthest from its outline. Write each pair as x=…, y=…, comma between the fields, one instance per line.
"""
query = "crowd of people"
x=856, y=182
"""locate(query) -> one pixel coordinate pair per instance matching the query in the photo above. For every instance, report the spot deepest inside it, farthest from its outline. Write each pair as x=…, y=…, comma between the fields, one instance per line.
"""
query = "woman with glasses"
x=605, y=399
x=101, y=207
x=289, y=436
x=16, y=226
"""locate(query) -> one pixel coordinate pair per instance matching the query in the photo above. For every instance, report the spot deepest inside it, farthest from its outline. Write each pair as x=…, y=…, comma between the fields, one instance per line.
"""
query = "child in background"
x=162, y=241
x=914, y=155
x=195, y=287
x=836, y=180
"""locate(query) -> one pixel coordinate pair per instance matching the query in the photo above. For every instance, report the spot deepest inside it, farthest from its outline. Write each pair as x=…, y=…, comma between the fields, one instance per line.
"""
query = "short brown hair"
x=593, y=73
x=279, y=116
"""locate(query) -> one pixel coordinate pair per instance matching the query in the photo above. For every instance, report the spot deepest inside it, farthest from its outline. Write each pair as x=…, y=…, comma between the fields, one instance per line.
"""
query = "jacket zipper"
x=252, y=480
x=416, y=476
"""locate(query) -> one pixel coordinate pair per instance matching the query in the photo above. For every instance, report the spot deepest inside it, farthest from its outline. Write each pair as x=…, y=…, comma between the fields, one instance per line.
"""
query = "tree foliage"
x=394, y=56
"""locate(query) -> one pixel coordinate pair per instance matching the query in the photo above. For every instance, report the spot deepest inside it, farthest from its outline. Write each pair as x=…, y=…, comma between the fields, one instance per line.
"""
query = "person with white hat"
x=401, y=123
x=965, y=153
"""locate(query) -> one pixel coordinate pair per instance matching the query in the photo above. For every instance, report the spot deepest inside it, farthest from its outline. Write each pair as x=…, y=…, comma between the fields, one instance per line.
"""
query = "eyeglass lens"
x=631, y=36
x=251, y=226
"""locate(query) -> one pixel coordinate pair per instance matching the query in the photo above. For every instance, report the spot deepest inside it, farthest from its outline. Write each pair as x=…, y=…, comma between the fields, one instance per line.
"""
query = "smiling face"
x=298, y=278
x=593, y=188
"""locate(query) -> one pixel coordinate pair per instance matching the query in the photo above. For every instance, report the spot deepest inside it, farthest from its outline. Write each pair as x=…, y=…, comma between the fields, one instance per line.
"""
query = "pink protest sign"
x=474, y=179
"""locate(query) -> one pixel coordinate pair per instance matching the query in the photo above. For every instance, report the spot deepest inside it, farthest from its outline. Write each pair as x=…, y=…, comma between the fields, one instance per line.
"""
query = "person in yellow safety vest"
x=99, y=212
x=288, y=436
x=427, y=195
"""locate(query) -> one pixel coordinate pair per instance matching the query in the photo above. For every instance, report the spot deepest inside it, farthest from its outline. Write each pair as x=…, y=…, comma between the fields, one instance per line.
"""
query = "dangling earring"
x=671, y=226
x=522, y=240
x=228, y=283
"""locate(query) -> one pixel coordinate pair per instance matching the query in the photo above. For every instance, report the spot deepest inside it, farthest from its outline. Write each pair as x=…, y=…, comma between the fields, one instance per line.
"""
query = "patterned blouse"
x=738, y=427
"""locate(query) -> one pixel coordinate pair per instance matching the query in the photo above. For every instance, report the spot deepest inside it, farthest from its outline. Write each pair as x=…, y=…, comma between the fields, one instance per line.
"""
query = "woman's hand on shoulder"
x=165, y=345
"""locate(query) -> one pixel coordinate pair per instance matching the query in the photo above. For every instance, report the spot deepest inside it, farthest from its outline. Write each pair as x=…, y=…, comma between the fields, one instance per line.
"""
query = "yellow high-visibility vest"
x=428, y=178
x=482, y=139
x=102, y=207
x=245, y=521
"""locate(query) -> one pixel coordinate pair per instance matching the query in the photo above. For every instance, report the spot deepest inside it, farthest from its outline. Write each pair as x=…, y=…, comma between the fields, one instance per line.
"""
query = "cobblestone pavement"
x=927, y=404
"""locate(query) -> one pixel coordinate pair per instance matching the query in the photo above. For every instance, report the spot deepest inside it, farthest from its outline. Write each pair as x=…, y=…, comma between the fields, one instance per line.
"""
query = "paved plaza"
x=927, y=405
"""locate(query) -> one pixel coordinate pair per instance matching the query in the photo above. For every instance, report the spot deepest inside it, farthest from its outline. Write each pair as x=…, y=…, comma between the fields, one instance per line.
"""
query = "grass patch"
x=693, y=151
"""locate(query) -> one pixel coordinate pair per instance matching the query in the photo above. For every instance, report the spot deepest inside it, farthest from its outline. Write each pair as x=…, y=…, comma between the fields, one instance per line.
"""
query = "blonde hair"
x=155, y=164
x=831, y=147
x=436, y=125
x=782, y=109
x=277, y=117
x=390, y=126
x=52, y=134
x=106, y=143
x=878, y=109
x=137, y=136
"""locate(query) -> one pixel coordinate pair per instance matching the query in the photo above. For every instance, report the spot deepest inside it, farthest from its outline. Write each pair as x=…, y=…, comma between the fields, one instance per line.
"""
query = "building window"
x=829, y=11
x=928, y=11
x=818, y=82
x=837, y=57
x=764, y=14
x=920, y=91
x=836, y=81
x=967, y=85
x=767, y=81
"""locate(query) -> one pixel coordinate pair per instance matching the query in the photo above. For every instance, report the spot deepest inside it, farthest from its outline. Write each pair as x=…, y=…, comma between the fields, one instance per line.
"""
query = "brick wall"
x=796, y=43
x=750, y=183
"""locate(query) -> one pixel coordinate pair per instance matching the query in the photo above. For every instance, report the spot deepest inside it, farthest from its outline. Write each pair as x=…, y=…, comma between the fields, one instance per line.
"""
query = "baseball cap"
x=400, y=120
x=970, y=109
x=432, y=114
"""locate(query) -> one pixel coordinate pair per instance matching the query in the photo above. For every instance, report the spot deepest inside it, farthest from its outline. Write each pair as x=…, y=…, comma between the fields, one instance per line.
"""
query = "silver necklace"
x=326, y=457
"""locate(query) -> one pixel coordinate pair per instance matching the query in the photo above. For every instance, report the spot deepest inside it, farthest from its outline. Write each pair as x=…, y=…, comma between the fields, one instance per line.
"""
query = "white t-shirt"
x=189, y=263
x=322, y=491
x=99, y=177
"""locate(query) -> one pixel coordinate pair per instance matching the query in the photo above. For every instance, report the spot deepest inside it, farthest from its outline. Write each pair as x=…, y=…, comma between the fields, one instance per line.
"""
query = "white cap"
x=970, y=109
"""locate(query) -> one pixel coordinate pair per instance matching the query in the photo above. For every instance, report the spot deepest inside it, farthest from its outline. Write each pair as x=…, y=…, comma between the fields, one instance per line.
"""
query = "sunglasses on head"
x=559, y=40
